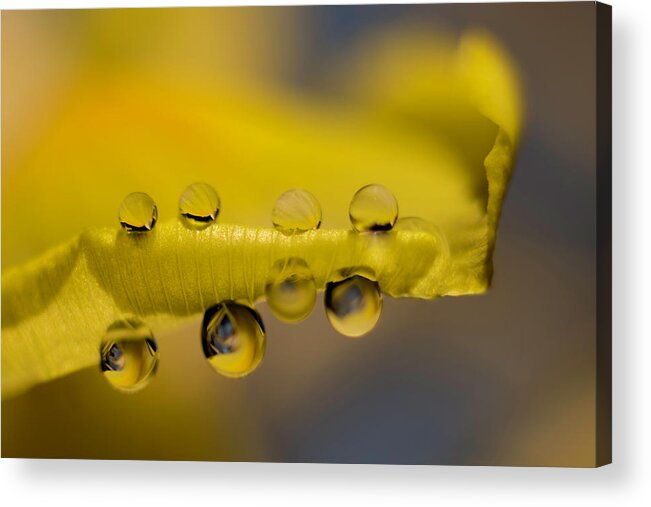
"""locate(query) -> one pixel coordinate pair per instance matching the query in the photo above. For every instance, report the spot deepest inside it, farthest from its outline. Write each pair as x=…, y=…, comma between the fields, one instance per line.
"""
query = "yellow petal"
x=449, y=163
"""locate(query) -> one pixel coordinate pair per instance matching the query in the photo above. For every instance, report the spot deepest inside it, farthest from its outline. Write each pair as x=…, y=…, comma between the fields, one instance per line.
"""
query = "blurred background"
x=506, y=378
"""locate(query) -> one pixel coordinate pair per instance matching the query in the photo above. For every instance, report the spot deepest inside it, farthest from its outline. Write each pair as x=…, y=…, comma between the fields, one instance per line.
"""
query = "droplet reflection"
x=129, y=355
x=296, y=211
x=233, y=339
x=138, y=212
x=199, y=205
x=353, y=305
x=291, y=290
x=373, y=208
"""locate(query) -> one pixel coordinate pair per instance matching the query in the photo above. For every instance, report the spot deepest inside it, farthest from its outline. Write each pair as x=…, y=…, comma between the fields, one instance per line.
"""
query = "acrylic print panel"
x=353, y=234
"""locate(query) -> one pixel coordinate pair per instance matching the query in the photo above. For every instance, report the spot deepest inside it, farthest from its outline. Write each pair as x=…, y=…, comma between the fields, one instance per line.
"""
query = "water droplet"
x=418, y=224
x=138, y=212
x=199, y=205
x=296, y=211
x=353, y=305
x=373, y=208
x=291, y=290
x=129, y=355
x=233, y=339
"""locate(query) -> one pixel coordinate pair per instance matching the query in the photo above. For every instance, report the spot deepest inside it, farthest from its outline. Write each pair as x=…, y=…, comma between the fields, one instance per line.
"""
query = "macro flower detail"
x=451, y=167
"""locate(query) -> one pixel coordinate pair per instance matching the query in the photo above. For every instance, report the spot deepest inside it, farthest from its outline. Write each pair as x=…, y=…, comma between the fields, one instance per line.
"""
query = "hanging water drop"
x=233, y=339
x=353, y=305
x=296, y=211
x=373, y=208
x=199, y=205
x=291, y=290
x=128, y=355
x=138, y=212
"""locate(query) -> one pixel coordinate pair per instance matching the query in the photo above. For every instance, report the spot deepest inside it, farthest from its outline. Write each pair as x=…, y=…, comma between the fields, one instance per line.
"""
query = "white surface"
x=626, y=482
